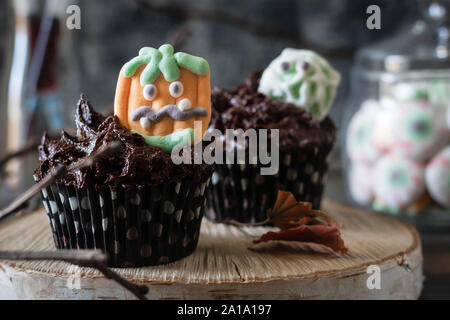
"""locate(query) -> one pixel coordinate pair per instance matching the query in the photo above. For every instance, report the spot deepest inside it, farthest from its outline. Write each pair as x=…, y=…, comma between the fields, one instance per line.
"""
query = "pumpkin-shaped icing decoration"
x=303, y=78
x=160, y=94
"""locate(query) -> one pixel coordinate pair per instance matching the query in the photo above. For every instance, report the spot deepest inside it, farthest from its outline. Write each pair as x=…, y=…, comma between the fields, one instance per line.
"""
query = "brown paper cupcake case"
x=239, y=192
x=136, y=227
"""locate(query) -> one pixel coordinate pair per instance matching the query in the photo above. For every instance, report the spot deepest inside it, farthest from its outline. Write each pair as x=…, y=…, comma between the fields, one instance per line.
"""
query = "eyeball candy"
x=398, y=182
x=360, y=134
x=419, y=130
x=385, y=124
x=360, y=183
x=448, y=117
x=303, y=78
x=437, y=177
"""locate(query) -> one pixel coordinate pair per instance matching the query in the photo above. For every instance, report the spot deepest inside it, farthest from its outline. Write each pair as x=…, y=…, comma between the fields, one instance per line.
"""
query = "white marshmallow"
x=437, y=177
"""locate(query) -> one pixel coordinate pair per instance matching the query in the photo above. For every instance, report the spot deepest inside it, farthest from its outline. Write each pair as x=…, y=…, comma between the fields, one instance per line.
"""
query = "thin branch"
x=264, y=30
x=72, y=256
x=83, y=258
x=58, y=172
x=178, y=36
x=27, y=148
x=217, y=15
x=138, y=290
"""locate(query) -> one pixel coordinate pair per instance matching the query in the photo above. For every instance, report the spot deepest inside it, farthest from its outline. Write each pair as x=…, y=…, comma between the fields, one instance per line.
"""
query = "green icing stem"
x=131, y=66
x=164, y=61
x=167, y=143
x=168, y=64
x=194, y=64
x=151, y=72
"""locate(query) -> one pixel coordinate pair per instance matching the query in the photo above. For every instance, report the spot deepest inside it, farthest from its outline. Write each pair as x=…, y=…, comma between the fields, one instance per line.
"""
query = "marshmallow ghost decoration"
x=160, y=94
x=303, y=78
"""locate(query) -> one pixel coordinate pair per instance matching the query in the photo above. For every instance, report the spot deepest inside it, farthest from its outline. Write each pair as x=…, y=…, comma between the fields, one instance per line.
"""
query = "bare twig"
x=264, y=30
x=27, y=148
x=178, y=36
x=84, y=258
x=58, y=172
x=72, y=256
x=217, y=15
x=138, y=290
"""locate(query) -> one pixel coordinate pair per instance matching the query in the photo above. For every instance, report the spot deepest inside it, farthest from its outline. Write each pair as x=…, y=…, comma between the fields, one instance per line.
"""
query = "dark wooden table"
x=436, y=251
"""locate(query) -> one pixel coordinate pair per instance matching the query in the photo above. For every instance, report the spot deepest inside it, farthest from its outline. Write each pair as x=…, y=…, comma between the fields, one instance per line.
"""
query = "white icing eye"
x=176, y=89
x=285, y=66
x=150, y=92
x=145, y=123
x=303, y=66
x=184, y=104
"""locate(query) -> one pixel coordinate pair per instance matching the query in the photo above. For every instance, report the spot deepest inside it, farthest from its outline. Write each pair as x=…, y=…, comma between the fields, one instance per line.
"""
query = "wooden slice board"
x=223, y=268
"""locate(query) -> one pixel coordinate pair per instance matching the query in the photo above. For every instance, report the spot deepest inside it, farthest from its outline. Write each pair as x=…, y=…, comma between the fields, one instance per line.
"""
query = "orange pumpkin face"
x=159, y=93
x=130, y=97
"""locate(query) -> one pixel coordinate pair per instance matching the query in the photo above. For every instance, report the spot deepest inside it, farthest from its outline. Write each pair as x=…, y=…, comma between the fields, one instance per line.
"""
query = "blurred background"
x=44, y=66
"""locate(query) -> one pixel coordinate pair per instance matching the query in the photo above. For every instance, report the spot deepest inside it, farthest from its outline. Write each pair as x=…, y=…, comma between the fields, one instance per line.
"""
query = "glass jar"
x=396, y=137
x=43, y=70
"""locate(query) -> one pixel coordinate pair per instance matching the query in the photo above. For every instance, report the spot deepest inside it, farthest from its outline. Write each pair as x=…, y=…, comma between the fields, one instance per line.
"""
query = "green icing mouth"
x=167, y=143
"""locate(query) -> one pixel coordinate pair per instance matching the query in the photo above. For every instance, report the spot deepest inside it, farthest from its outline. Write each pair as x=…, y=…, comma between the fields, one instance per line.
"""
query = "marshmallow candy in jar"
x=360, y=183
x=398, y=183
x=437, y=177
x=360, y=142
x=367, y=136
x=406, y=80
x=420, y=129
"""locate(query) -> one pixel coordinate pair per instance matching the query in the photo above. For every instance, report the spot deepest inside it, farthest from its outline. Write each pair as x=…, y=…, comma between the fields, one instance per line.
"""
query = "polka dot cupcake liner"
x=136, y=227
x=241, y=193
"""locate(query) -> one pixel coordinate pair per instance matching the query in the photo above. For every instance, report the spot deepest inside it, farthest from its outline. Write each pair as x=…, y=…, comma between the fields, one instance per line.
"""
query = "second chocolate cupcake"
x=306, y=137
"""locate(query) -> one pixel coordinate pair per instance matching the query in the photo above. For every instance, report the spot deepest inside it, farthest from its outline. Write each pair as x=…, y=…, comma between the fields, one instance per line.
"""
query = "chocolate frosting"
x=134, y=164
x=244, y=107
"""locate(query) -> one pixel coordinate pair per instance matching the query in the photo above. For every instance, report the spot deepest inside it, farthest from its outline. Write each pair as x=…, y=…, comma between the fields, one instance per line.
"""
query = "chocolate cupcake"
x=135, y=204
x=306, y=136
